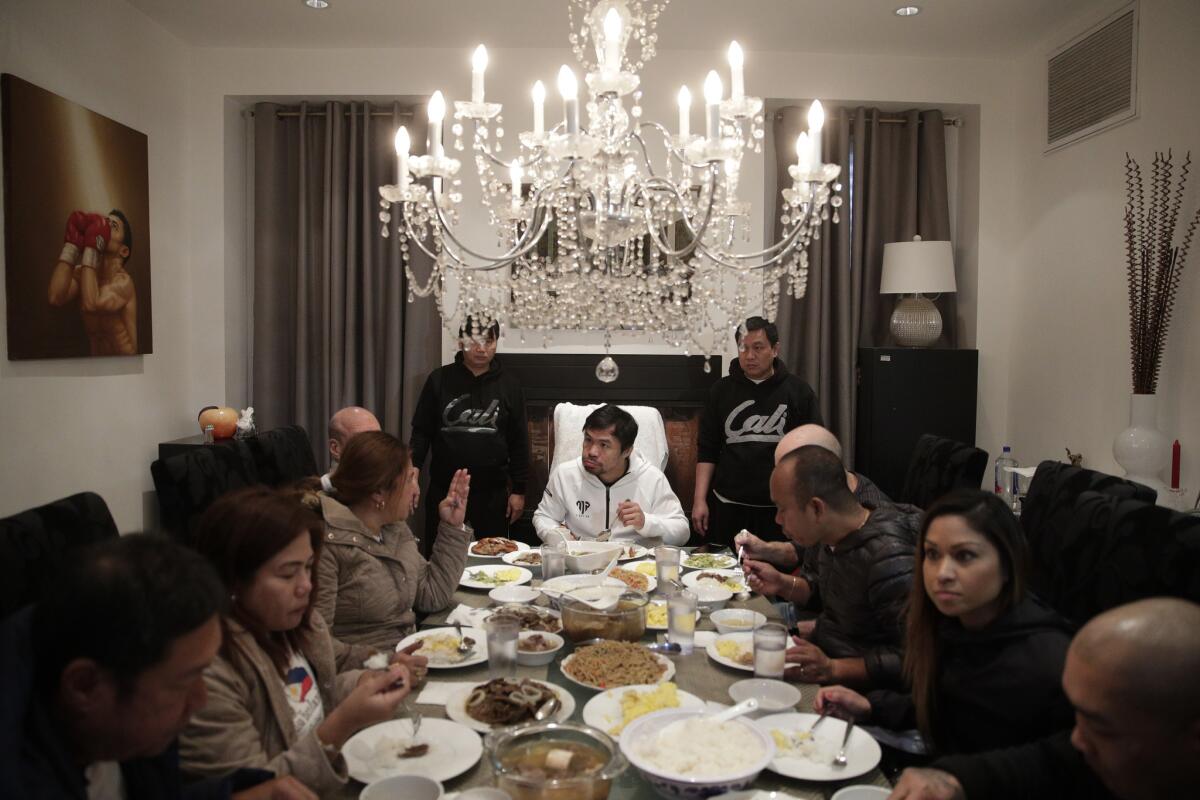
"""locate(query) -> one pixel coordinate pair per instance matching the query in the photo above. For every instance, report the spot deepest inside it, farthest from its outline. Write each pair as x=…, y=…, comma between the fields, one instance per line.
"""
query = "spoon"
x=463, y=647
x=840, y=759
x=546, y=709
x=744, y=707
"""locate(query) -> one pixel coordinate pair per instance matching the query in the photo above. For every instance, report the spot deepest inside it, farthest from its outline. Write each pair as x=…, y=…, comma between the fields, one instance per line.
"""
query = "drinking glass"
x=554, y=560
x=770, y=650
x=666, y=564
x=681, y=620
x=502, y=647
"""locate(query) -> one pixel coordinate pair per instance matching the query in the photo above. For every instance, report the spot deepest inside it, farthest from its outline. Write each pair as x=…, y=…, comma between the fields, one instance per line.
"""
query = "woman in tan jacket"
x=371, y=577
x=283, y=694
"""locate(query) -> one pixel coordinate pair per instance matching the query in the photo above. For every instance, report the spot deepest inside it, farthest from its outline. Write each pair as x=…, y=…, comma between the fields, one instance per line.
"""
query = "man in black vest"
x=471, y=414
x=747, y=413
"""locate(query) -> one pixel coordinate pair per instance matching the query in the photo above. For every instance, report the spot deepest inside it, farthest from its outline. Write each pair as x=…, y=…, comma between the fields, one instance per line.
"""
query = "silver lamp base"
x=916, y=322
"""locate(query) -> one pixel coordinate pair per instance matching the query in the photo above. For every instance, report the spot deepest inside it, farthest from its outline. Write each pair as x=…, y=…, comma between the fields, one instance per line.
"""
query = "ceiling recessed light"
x=907, y=11
x=323, y=3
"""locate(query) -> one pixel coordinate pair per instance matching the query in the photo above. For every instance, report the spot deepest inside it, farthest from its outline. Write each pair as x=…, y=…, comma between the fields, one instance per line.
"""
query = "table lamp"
x=914, y=269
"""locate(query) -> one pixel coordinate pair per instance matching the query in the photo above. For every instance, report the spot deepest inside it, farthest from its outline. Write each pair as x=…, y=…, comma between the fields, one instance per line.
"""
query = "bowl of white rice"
x=685, y=754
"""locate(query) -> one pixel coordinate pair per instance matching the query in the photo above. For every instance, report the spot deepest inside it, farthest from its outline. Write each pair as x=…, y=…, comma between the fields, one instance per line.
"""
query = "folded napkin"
x=469, y=616
x=702, y=639
x=436, y=693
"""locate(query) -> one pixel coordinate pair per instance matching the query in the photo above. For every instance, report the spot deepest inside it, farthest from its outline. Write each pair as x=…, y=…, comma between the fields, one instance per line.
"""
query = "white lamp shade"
x=917, y=267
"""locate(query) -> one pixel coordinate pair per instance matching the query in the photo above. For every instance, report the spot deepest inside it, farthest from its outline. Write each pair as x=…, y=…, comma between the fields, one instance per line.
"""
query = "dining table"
x=695, y=673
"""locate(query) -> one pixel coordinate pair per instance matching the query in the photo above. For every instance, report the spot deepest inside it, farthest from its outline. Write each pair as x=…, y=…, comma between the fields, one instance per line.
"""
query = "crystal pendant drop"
x=607, y=370
x=707, y=365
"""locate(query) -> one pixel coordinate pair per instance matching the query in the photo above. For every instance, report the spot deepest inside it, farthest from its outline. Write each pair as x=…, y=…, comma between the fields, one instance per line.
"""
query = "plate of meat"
x=495, y=547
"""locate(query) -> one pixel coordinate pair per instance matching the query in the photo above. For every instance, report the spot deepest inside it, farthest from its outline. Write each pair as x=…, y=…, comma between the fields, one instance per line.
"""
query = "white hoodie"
x=579, y=500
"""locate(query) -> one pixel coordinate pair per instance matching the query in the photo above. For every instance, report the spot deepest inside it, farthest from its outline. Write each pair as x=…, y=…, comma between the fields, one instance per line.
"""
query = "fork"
x=840, y=759
x=819, y=720
x=414, y=716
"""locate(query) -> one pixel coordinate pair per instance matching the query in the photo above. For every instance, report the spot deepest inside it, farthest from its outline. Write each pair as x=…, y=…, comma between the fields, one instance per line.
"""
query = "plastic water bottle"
x=1006, y=482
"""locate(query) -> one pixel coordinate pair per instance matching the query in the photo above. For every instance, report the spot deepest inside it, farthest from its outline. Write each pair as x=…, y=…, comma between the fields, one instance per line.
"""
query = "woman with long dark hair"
x=983, y=657
x=373, y=579
x=283, y=694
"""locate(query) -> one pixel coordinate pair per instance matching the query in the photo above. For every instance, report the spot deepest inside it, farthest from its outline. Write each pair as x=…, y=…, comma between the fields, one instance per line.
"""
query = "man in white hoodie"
x=610, y=491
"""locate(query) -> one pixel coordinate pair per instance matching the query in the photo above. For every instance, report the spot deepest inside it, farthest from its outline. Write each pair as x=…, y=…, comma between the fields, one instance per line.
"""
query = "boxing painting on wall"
x=77, y=229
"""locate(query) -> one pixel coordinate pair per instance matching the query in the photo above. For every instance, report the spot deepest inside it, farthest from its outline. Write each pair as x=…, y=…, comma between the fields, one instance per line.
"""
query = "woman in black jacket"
x=983, y=657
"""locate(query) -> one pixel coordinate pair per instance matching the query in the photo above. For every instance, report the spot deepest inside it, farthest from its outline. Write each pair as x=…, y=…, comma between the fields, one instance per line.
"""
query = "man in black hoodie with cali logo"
x=471, y=414
x=747, y=413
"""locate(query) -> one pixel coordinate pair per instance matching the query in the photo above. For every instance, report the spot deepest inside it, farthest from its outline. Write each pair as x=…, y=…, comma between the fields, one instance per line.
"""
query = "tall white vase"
x=1142, y=449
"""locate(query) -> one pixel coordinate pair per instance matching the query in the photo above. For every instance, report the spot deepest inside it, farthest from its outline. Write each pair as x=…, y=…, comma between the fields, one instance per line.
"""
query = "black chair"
x=282, y=455
x=34, y=543
x=939, y=465
x=188, y=483
x=1114, y=550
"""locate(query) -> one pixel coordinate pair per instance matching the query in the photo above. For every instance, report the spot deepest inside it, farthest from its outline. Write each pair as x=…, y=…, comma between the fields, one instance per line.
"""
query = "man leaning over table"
x=610, y=489
x=859, y=577
x=1131, y=675
x=102, y=675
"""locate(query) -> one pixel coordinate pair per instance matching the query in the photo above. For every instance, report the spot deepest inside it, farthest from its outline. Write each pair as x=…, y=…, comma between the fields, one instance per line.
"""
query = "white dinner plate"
x=469, y=580
x=521, y=547
x=733, y=576
x=604, y=710
x=723, y=561
x=663, y=603
x=456, y=706
x=453, y=749
x=449, y=661
x=633, y=551
x=862, y=752
x=565, y=583
x=743, y=639
x=666, y=676
x=511, y=558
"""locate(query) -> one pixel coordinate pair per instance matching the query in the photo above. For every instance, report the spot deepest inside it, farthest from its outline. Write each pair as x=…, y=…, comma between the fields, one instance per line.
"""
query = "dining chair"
x=939, y=465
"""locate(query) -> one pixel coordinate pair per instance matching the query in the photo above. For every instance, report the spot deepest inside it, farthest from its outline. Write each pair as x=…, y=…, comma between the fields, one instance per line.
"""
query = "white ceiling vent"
x=1091, y=81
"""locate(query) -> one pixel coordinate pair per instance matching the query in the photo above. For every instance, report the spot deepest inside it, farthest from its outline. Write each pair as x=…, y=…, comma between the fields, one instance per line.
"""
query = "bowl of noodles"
x=624, y=621
x=554, y=761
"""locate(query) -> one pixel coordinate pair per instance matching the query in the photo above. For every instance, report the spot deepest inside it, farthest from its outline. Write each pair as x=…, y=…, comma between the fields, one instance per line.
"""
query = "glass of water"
x=681, y=620
x=502, y=647
x=666, y=563
x=770, y=650
x=554, y=560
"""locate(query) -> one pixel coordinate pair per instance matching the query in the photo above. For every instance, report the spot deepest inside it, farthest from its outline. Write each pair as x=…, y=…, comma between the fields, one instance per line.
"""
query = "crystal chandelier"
x=590, y=236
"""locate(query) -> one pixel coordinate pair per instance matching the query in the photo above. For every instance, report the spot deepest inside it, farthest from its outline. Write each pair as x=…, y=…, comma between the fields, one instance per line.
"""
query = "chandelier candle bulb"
x=685, y=113
x=737, y=81
x=539, y=108
x=803, y=154
x=436, y=111
x=816, y=121
x=402, y=145
x=514, y=173
x=479, y=62
x=612, y=42
x=712, y=98
x=568, y=87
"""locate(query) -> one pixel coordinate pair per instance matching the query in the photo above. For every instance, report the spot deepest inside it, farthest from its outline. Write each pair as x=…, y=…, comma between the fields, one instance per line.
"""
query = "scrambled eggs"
x=635, y=704
x=733, y=651
x=441, y=647
x=656, y=615
x=646, y=568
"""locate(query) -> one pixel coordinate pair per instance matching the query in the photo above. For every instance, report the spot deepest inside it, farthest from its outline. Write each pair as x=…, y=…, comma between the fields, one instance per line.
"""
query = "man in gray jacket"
x=857, y=573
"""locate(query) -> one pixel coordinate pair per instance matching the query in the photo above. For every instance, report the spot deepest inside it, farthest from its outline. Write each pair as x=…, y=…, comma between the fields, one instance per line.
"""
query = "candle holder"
x=433, y=166
x=534, y=141
x=573, y=145
x=704, y=151
x=465, y=109
x=822, y=173
x=741, y=109
x=618, y=83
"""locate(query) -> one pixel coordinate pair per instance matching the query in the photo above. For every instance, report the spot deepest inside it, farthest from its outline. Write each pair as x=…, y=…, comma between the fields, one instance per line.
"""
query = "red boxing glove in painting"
x=95, y=235
x=73, y=237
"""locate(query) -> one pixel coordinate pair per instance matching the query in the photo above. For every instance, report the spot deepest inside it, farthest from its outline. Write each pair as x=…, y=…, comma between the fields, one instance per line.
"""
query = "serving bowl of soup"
x=554, y=761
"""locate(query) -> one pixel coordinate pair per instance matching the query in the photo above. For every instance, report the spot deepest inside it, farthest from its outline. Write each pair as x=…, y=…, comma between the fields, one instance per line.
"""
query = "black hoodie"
x=999, y=686
x=471, y=422
x=742, y=423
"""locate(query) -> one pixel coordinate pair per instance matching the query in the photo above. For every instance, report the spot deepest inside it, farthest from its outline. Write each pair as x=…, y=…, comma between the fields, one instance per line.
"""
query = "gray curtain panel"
x=332, y=325
x=894, y=188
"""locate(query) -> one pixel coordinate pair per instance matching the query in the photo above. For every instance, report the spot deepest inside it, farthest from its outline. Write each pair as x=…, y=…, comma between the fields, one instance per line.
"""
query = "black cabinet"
x=904, y=392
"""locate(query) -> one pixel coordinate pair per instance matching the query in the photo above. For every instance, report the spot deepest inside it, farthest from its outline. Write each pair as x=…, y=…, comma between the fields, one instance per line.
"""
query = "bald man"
x=1132, y=675
x=344, y=424
x=788, y=555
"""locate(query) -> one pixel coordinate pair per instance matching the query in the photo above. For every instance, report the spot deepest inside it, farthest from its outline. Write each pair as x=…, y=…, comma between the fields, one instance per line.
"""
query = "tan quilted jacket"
x=370, y=591
x=247, y=721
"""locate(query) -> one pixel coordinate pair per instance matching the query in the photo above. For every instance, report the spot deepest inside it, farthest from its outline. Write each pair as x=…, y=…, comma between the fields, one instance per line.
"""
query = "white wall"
x=1070, y=364
x=93, y=424
x=982, y=88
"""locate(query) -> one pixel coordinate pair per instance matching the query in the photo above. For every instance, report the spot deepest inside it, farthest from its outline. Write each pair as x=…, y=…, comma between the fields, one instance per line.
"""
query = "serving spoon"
x=546, y=709
x=744, y=707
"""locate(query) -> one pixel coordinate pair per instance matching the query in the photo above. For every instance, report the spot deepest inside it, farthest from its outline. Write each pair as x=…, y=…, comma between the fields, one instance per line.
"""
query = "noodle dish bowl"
x=624, y=620
x=554, y=761
x=686, y=754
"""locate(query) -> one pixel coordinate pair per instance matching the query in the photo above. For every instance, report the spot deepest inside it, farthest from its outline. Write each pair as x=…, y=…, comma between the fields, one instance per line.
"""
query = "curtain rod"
x=949, y=122
x=346, y=113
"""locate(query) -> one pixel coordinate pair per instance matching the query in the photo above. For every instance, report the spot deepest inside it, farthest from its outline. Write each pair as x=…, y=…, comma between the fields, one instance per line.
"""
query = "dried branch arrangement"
x=1155, y=262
